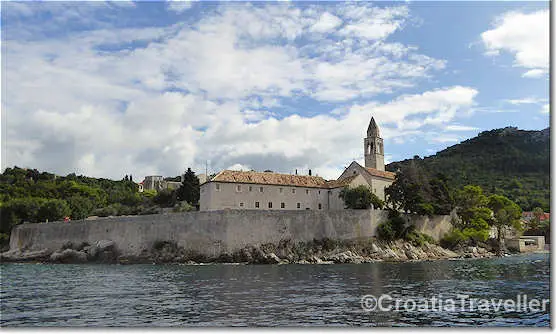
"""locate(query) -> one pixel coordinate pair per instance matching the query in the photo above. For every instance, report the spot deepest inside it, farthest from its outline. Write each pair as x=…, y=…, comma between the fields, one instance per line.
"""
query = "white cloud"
x=454, y=127
x=536, y=73
x=545, y=109
x=527, y=100
x=179, y=6
x=526, y=36
x=110, y=113
x=327, y=22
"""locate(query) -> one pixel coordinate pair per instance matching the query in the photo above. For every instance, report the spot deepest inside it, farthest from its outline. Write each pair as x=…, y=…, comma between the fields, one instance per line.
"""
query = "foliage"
x=537, y=226
x=506, y=214
x=189, y=190
x=509, y=162
x=395, y=228
x=183, y=207
x=27, y=195
x=360, y=197
x=166, y=198
x=414, y=191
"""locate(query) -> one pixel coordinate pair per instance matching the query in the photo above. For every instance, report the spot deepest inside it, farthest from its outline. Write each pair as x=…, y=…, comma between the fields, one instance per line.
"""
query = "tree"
x=189, y=190
x=506, y=214
x=53, y=210
x=474, y=213
x=360, y=197
x=80, y=207
x=414, y=191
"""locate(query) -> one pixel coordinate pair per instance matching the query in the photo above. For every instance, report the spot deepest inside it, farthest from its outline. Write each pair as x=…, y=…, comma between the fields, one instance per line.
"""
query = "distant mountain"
x=506, y=161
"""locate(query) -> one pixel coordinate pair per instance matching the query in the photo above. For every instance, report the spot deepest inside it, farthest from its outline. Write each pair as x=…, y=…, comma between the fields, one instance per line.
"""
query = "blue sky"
x=113, y=88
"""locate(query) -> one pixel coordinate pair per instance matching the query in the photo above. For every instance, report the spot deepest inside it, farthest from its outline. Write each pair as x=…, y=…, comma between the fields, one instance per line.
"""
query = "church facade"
x=250, y=190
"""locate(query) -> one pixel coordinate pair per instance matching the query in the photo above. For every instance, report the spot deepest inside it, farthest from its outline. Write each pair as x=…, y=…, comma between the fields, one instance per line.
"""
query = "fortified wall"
x=215, y=232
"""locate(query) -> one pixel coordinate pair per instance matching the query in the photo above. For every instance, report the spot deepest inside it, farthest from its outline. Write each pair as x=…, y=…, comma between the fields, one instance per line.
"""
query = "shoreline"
x=324, y=251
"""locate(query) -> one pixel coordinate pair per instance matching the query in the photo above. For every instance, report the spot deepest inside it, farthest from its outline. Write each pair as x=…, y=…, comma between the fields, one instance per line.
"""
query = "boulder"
x=19, y=256
x=103, y=245
x=69, y=256
x=272, y=258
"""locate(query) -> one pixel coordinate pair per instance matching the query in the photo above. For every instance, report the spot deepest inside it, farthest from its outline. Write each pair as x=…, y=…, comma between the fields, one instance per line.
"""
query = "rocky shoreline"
x=315, y=252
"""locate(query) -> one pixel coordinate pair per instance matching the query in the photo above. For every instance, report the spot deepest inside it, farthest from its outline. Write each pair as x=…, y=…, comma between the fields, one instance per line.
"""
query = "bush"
x=453, y=239
x=360, y=197
x=183, y=207
x=385, y=231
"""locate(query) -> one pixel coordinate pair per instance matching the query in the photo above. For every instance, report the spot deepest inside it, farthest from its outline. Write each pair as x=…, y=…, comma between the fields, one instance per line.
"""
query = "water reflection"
x=288, y=295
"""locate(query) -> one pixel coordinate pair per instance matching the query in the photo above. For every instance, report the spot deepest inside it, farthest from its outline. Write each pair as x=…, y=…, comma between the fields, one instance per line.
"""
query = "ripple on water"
x=265, y=295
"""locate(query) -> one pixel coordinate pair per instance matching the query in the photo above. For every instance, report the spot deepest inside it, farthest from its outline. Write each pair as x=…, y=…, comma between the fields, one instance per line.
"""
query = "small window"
x=250, y=188
x=354, y=172
x=260, y=189
x=282, y=205
x=375, y=190
x=319, y=192
x=307, y=191
x=280, y=190
x=298, y=205
x=293, y=191
x=238, y=188
x=242, y=204
x=270, y=205
x=217, y=186
x=256, y=204
x=319, y=206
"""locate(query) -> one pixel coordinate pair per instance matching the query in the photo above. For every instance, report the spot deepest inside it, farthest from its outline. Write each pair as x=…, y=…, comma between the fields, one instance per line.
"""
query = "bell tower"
x=373, y=147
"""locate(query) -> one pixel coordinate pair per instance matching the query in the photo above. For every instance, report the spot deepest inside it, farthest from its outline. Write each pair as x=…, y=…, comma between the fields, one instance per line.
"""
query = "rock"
x=69, y=256
x=91, y=251
x=103, y=245
x=345, y=257
x=272, y=258
x=18, y=256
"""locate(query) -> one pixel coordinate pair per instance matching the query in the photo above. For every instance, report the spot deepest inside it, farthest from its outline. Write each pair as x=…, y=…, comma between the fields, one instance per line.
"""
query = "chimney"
x=310, y=172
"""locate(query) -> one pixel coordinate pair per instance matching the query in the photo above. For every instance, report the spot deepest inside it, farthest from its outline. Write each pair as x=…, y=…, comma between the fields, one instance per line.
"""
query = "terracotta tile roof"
x=380, y=173
x=342, y=182
x=270, y=178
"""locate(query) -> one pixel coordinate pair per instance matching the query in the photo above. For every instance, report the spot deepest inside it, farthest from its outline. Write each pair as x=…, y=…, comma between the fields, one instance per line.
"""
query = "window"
x=256, y=204
x=280, y=190
x=298, y=205
x=375, y=190
x=250, y=188
x=319, y=192
x=354, y=172
x=319, y=206
x=241, y=204
x=282, y=205
x=307, y=191
x=217, y=186
x=293, y=191
x=238, y=188
x=260, y=189
x=270, y=205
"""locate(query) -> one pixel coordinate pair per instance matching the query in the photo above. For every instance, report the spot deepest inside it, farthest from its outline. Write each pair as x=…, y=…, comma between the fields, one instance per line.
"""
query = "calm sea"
x=271, y=295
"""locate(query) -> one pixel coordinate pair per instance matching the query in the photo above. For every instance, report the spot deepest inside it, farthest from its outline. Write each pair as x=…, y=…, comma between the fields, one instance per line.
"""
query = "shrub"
x=453, y=239
x=183, y=207
x=385, y=231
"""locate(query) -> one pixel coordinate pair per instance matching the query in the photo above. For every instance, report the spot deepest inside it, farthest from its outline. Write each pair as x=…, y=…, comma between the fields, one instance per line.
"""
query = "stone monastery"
x=272, y=191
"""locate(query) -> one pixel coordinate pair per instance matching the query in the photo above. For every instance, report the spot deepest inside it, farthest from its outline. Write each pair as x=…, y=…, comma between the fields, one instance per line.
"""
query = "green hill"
x=508, y=161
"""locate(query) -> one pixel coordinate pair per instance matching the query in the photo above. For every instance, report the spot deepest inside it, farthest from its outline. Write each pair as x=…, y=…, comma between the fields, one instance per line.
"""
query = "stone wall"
x=212, y=233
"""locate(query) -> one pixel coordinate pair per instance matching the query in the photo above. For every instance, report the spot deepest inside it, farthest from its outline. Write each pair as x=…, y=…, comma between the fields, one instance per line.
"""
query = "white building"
x=272, y=191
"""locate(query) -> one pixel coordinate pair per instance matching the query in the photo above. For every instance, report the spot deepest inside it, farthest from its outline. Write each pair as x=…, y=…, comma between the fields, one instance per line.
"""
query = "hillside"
x=506, y=161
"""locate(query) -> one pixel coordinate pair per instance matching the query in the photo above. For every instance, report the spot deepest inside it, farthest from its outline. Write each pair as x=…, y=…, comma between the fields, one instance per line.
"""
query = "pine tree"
x=189, y=190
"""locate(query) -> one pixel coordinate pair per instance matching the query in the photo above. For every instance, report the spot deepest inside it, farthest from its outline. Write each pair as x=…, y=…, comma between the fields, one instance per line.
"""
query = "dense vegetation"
x=360, y=197
x=509, y=162
x=27, y=195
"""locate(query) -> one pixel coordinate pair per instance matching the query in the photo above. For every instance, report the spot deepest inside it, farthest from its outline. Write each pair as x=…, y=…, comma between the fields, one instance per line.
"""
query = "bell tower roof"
x=373, y=129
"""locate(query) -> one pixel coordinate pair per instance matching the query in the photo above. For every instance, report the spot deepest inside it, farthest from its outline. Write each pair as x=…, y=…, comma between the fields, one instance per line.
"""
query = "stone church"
x=250, y=190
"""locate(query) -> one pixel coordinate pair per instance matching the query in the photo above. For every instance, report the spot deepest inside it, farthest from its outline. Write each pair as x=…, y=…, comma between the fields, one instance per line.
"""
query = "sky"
x=106, y=89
